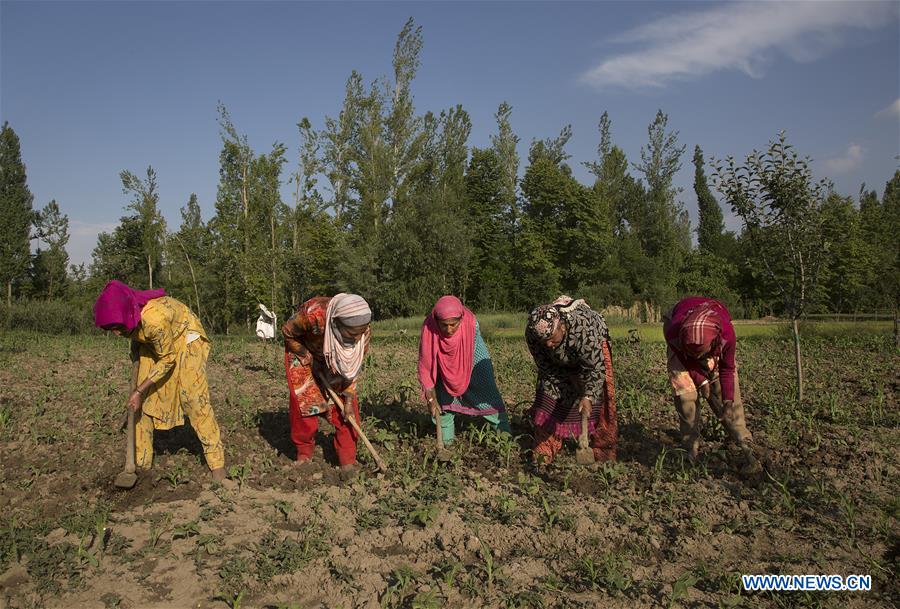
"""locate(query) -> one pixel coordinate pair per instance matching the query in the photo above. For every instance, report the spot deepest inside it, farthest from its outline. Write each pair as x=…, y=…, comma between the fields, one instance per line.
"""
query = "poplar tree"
x=661, y=222
x=119, y=254
x=626, y=271
x=50, y=265
x=844, y=272
x=16, y=214
x=340, y=145
x=504, y=143
x=191, y=243
x=145, y=205
x=710, y=223
x=307, y=204
x=489, y=269
x=880, y=225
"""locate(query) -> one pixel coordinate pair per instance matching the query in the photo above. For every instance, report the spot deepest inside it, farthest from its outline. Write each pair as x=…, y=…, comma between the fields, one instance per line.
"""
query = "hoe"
x=127, y=478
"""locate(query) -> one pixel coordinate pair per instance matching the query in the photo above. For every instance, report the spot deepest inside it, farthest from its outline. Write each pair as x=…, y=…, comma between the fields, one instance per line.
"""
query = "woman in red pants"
x=328, y=338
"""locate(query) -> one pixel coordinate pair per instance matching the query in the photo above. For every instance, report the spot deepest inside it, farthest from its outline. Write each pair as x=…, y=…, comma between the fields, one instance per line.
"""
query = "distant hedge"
x=49, y=316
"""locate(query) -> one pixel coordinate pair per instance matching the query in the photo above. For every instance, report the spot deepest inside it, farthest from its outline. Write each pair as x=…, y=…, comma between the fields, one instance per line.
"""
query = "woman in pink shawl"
x=455, y=368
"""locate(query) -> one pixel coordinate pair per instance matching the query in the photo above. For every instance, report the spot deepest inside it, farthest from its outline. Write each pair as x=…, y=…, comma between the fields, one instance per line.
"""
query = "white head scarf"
x=343, y=357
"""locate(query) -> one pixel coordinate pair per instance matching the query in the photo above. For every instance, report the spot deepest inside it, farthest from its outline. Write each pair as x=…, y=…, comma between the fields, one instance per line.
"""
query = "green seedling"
x=158, y=526
x=239, y=472
x=188, y=529
x=5, y=417
x=84, y=554
x=393, y=597
x=786, y=498
x=551, y=513
x=233, y=601
x=487, y=558
x=848, y=512
x=447, y=571
x=681, y=586
x=178, y=475
x=284, y=508
x=209, y=544
x=425, y=514
x=427, y=600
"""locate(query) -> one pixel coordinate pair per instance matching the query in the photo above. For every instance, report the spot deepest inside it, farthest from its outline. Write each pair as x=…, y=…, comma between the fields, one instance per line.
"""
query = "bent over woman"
x=570, y=345
x=701, y=362
x=172, y=348
x=455, y=368
x=327, y=337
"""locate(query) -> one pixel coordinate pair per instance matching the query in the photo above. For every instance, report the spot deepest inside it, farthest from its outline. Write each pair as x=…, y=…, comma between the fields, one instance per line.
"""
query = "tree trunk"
x=896, y=326
x=274, y=290
x=795, y=328
x=150, y=271
x=227, y=301
x=245, y=204
x=295, y=292
x=193, y=278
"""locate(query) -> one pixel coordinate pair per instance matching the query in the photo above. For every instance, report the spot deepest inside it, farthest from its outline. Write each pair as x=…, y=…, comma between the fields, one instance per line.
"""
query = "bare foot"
x=219, y=474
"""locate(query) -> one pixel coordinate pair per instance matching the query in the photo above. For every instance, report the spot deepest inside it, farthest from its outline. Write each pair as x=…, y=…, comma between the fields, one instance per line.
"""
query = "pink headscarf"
x=121, y=304
x=454, y=356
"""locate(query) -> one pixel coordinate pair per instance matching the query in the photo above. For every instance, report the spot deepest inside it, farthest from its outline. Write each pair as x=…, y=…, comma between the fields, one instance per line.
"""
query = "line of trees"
x=393, y=204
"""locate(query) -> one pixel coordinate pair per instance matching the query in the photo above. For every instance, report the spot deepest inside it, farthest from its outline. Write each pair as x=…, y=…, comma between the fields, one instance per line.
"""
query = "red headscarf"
x=120, y=304
x=700, y=331
x=454, y=356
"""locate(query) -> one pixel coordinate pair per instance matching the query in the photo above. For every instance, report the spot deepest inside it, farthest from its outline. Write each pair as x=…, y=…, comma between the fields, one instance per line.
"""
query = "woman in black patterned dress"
x=569, y=342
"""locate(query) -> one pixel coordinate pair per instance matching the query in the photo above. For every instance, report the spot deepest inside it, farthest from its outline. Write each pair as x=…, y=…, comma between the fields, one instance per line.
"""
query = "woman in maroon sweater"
x=701, y=344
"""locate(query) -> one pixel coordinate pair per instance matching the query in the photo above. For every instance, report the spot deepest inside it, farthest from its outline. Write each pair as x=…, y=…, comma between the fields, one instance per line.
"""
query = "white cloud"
x=850, y=160
x=893, y=110
x=736, y=36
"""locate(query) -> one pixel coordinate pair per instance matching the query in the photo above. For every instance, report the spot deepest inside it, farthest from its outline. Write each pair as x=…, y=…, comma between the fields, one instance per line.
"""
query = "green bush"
x=47, y=316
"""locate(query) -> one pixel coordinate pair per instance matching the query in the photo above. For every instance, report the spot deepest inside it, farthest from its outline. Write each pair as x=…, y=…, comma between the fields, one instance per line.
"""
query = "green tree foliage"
x=842, y=284
x=781, y=207
x=565, y=222
x=504, y=144
x=628, y=272
x=251, y=230
x=879, y=227
x=546, y=196
x=428, y=246
x=49, y=277
x=492, y=231
x=393, y=204
x=314, y=235
x=710, y=223
x=145, y=205
x=189, y=254
x=119, y=255
x=16, y=214
x=659, y=221
x=709, y=275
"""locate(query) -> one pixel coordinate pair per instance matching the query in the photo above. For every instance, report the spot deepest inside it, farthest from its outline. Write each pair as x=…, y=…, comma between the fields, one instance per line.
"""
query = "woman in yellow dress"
x=172, y=348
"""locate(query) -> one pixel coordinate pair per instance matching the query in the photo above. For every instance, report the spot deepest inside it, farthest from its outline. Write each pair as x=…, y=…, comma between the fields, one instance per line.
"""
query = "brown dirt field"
x=484, y=530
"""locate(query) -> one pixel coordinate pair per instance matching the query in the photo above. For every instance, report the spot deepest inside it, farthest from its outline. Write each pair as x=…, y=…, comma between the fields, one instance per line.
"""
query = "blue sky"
x=93, y=88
